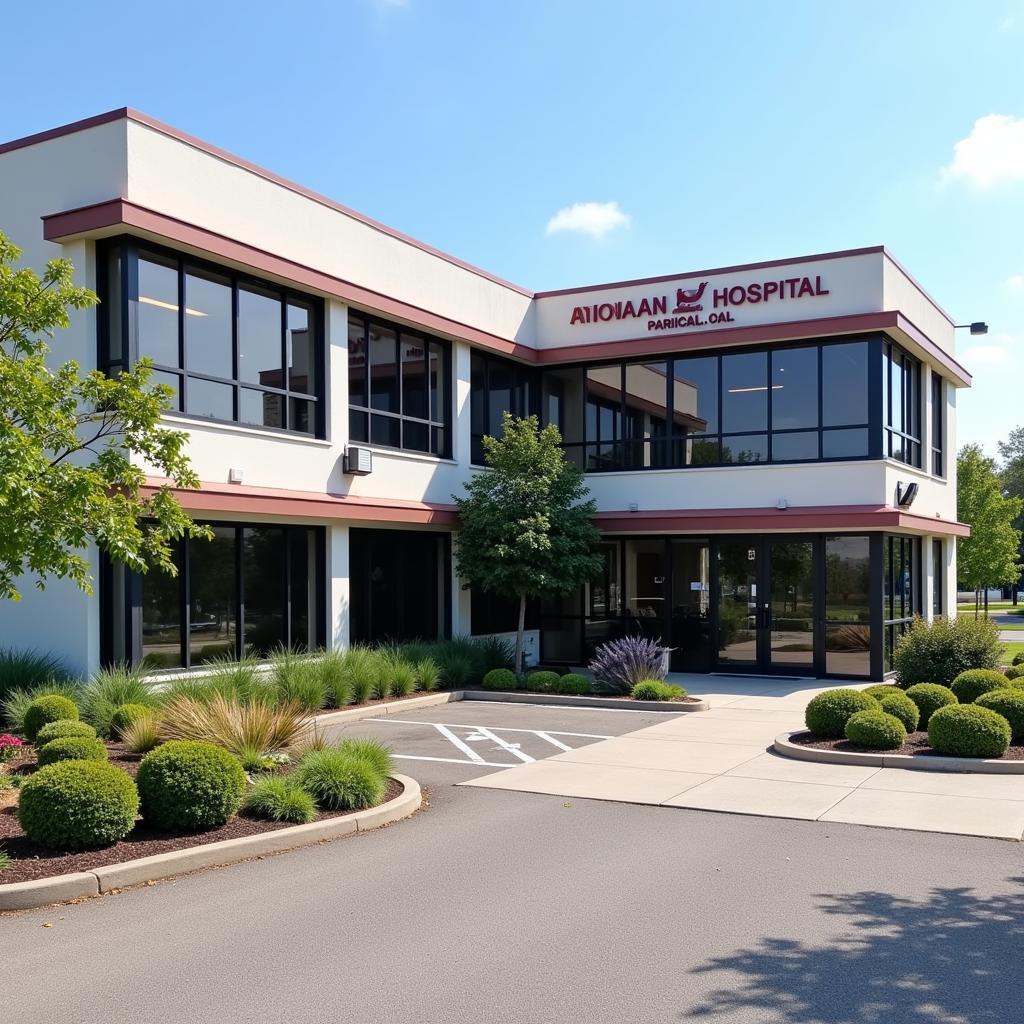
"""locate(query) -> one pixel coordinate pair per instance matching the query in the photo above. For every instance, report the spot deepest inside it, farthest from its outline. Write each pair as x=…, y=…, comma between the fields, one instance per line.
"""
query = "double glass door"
x=767, y=605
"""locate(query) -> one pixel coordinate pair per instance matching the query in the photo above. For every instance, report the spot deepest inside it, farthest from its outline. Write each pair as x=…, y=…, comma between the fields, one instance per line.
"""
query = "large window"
x=250, y=590
x=901, y=390
x=800, y=403
x=497, y=386
x=847, y=606
x=398, y=387
x=938, y=425
x=233, y=348
x=901, y=590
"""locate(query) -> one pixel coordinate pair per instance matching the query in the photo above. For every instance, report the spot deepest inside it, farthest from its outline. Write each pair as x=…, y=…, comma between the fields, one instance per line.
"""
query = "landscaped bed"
x=916, y=745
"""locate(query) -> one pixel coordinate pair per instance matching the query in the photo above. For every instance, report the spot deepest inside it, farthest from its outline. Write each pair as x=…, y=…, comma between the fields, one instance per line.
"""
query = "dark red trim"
x=120, y=114
x=240, y=499
x=738, y=268
x=818, y=518
x=122, y=214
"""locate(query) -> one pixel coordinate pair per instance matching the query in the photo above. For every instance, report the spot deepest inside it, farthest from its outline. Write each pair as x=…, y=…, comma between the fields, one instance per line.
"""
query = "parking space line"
x=503, y=728
x=553, y=741
x=456, y=741
x=452, y=760
x=512, y=748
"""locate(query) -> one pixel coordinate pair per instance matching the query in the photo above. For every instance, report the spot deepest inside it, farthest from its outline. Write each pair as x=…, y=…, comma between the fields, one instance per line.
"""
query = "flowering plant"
x=9, y=746
x=619, y=664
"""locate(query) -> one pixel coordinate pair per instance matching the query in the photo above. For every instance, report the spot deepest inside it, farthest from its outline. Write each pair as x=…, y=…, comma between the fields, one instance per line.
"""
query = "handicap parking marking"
x=480, y=734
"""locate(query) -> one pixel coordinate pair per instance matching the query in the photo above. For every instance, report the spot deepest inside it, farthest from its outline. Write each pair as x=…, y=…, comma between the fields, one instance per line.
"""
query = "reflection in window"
x=847, y=606
x=497, y=386
x=901, y=589
x=938, y=425
x=213, y=612
x=901, y=388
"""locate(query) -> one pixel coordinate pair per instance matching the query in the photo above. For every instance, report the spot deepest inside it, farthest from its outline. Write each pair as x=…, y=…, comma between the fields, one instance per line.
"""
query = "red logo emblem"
x=688, y=299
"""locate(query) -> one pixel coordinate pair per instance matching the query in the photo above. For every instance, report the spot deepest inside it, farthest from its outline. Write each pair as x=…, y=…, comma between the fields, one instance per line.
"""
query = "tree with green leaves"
x=526, y=530
x=989, y=556
x=1011, y=451
x=71, y=444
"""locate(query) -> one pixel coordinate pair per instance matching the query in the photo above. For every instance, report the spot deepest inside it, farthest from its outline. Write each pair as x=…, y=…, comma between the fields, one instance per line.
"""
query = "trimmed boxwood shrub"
x=929, y=697
x=574, y=683
x=78, y=805
x=1009, y=704
x=655, y=689
x=190, y=786
x=1018, y=658
x=828, y=712
x=876, y=729
x=937, y=652
x=970, y=685
x=542, y=682
x=124, y=715
x=500, y=679
x=51, y=708
x=63, y=728
x=967, y=730
x=72, y=748
x=1015, y=671
x=900, y=706
x=341, y=781
x=882, y=690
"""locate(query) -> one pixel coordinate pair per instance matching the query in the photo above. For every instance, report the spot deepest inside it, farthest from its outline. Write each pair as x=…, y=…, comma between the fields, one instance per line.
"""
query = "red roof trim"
x=120, y=114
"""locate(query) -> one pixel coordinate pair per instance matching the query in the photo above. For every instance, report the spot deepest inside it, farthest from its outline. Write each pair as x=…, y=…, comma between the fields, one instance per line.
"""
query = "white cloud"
x=594, y=219
x=1007, y=24
x=1015, y=282
x=992, y=153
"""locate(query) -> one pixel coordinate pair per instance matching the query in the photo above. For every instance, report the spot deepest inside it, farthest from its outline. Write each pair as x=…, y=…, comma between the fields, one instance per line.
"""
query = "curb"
x=389, y=707
x=44, y=891
x=908, y=762
x=566, y=701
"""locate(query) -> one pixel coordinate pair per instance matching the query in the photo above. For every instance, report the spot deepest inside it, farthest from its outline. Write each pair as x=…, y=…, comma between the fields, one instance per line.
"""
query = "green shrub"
x=337, y=686
x=881, y=690
x=298, y=679
x=542, y=682
x=143, y=734
x=241, y=681
x=656, y=689
x=78, y=805
x=372, y=751
x=5, y=859
x=876, y=729
x=828, y=712
x=62, y=729
x=900, y=706
x=491, y=652
x=967, y=730
x=1015, y=672
x=402, y=675
x=575, y=684
x=428, y=674
x=1018, y=658
x=1009, y=704
x=970, y=685
x=363, y=669
x=279, y=798
x=124, y=716
x=44, y=710
x=16, y=704
x=457, y=668
x=189, y=786
x=110, y=689
x=929, y=697
x=939, y=651
x=338, y=780
x=500, y=679
x=23, y=670
x=71, y=748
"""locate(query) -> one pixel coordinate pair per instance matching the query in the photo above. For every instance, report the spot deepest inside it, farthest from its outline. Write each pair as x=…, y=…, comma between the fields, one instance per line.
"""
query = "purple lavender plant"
x=618, y=664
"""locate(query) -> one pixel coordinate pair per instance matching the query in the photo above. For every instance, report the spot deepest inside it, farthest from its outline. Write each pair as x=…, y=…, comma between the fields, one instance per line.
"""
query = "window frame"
x=445, y=404
x=909, y=427
x=938, y=438
x=521, y=376
x=131, y=250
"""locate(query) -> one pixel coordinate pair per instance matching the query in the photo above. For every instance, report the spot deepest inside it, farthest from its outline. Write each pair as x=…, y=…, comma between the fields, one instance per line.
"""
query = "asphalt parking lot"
x=451, y=743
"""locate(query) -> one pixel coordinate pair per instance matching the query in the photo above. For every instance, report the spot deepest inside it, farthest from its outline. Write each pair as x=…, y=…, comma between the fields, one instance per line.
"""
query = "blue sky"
x=703, y=133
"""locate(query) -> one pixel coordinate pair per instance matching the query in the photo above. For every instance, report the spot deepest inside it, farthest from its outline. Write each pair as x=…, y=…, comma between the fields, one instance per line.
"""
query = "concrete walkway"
x=719, y=760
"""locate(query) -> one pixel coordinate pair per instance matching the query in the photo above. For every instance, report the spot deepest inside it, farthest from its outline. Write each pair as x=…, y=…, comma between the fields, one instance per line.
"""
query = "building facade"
x=771, y=446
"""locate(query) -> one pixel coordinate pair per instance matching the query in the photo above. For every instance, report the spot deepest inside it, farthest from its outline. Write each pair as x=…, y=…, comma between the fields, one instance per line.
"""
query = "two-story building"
x=771, y=446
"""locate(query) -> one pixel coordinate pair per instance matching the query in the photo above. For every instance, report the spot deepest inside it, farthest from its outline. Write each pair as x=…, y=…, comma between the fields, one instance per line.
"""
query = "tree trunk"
x=520, y=668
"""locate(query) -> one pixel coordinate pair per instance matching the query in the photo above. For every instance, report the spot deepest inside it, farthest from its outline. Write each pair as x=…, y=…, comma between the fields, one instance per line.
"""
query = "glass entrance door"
x=766, y=605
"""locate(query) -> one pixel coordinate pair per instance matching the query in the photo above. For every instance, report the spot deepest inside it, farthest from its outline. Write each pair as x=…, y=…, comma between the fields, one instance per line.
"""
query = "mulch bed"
x=916, y=745
x=30, y=861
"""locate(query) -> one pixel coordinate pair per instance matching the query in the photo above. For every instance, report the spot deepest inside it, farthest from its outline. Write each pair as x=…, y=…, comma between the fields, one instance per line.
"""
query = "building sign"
x=697, y=307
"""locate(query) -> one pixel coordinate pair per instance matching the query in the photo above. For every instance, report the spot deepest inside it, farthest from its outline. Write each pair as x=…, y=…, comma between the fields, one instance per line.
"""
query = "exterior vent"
x=358, y=461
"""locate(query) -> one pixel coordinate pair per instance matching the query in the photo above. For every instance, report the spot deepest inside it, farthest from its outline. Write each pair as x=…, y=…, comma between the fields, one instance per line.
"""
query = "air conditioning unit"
x=358, y=461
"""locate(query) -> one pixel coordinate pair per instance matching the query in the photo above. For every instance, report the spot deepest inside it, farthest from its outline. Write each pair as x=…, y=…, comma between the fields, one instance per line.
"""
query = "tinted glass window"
x=210, y=398
x=213, y=612
x=158, y=311
x=799, y=446
x=302, y=370
x=357, y=362
x=695, y=395
x=844, y=384
x=414, y=377
x=259, y=338
x=794, y=388
x=263, y=571
x=208, y=336
x=383, y=370
x=744, y=392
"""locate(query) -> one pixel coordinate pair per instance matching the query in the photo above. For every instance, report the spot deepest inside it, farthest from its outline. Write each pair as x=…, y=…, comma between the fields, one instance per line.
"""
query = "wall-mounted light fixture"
x=978, y=327
x=905, y=494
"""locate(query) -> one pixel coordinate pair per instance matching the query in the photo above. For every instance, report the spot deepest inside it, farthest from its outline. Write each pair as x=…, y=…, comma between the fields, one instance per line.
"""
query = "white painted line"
x=503, y=728
x=553, y=741
x=457, y=741
x=512, y=748
x=452, y=760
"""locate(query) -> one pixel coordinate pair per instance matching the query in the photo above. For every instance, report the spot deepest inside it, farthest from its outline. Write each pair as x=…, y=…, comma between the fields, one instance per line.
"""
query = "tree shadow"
x=954, y=956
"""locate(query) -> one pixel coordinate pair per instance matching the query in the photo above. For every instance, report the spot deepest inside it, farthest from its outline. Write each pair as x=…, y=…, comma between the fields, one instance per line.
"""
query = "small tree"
x=989, y=555
x=526, y=528
x=67, y=443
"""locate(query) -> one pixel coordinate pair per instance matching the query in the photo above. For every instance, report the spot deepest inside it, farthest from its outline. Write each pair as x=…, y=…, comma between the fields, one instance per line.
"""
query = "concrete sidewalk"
x=719, y=761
